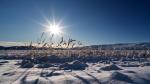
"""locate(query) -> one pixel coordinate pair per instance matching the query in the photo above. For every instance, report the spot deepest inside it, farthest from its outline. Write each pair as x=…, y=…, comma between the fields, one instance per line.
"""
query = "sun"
x=54, y=29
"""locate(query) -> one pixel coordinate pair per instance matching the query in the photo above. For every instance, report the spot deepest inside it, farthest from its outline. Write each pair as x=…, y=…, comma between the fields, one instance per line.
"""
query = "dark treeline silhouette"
x=24, y=48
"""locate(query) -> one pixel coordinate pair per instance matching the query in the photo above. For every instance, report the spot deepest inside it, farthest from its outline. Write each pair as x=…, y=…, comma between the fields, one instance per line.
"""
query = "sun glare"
x=54, y=29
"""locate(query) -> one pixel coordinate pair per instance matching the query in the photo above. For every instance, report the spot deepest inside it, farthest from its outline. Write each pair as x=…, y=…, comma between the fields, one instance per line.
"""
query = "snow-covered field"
x=95, y=73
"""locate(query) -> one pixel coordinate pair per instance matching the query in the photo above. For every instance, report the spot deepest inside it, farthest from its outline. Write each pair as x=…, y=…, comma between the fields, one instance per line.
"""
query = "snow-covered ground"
x=95, y=73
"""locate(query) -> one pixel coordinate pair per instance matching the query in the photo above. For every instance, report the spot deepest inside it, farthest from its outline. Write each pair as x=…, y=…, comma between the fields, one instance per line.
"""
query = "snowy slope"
x=12, y=74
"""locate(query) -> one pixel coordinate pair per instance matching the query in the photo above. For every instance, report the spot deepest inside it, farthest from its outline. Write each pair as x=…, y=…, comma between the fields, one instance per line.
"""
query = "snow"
x=10, y=73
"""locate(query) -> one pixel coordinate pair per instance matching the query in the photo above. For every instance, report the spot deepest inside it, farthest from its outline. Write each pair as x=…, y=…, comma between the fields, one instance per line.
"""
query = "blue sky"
x=90, y=21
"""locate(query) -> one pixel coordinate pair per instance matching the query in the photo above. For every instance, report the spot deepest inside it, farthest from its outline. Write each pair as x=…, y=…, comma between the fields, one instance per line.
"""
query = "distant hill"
x=122, y=46
x=119, y=46
x=17, y=48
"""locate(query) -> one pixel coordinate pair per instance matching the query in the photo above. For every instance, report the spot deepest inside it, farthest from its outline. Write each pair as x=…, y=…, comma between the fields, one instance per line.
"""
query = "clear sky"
x=91, y=21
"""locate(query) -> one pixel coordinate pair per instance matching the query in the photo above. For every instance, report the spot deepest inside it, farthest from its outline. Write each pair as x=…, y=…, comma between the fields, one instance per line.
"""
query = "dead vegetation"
x=46, y=50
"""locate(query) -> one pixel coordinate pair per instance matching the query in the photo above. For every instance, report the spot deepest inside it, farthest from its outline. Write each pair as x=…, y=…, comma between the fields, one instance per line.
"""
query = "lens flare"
x=54, y=29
